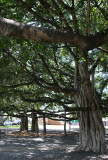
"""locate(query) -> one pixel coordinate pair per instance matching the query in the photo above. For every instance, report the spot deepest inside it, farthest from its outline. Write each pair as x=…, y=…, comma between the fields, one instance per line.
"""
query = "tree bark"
x=24, y=124
x=65, y=125
x=34, y=127
x=44, y=125
x=92, y=131
x=12, y=28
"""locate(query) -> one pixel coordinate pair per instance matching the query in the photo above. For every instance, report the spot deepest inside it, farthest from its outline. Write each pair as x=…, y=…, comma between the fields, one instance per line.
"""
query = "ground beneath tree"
x=53, y=146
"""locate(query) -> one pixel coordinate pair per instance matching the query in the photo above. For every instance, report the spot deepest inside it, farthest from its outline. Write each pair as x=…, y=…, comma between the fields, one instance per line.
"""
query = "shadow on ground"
x=53, y=146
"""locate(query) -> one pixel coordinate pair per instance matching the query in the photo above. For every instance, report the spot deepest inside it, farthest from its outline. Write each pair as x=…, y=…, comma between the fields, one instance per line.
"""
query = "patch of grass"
x=15, y=126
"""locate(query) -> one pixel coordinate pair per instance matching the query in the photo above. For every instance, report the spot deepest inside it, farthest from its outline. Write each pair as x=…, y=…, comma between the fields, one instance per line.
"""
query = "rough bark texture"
x=24, y=124
x=13, y=28
x=34, y=127
x=92, y=132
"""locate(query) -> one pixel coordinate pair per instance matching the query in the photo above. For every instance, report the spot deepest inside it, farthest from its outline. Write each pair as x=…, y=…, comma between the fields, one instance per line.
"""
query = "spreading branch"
x=16, y=29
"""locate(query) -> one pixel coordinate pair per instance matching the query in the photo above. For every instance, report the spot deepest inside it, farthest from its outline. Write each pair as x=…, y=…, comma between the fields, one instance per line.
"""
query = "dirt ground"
x=53, y=146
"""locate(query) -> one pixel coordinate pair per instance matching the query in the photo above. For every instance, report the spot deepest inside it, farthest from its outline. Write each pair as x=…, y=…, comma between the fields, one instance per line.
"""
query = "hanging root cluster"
x=92, y=132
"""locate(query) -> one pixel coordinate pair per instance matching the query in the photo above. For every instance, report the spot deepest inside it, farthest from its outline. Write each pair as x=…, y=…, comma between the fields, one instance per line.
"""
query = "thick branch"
x=46, y=100
x=13, y=28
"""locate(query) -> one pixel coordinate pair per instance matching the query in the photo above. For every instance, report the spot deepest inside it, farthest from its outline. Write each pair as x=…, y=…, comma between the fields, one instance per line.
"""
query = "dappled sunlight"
x=2, y=142
x=52, y=146
x=38, y=139
x=47, y=148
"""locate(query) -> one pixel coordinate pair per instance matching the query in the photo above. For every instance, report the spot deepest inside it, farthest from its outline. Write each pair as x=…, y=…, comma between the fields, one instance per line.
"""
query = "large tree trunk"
x=92, y=132
x=44, y=124
x=24, y=124
x=34, y=127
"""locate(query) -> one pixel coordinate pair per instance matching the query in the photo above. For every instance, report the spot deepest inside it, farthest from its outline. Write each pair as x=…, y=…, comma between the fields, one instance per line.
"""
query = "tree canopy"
x=55, y=52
